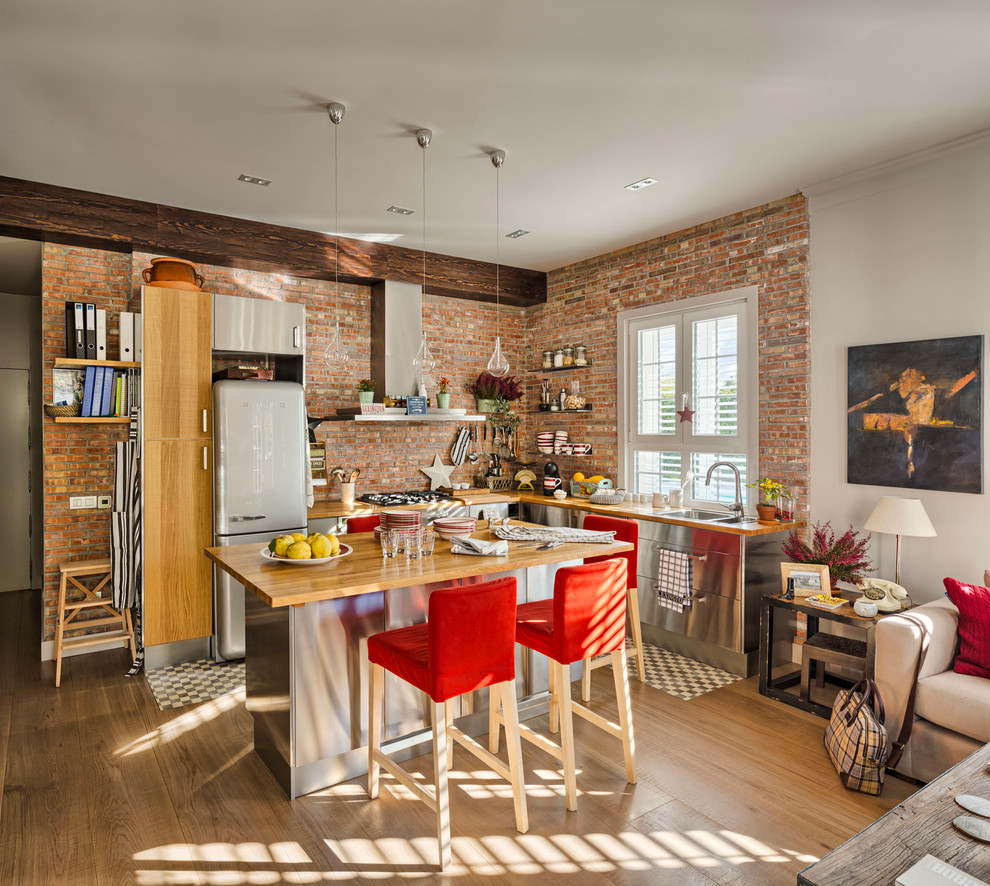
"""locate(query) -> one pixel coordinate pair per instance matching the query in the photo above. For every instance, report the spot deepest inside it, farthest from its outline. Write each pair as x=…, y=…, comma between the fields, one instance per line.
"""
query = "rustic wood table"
x=921, y=825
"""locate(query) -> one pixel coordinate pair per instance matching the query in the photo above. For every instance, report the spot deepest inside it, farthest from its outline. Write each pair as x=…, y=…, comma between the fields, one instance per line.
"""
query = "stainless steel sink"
x=706, y=516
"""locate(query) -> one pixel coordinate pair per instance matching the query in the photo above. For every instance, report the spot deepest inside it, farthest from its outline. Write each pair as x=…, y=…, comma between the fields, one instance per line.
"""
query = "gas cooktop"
x=414, y=497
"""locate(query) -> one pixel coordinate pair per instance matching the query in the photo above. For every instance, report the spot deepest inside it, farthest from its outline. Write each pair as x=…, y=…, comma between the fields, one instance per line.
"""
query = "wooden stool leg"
x=506, y=692
x=805, y=675
x=625, y=712
x=586, y=680
x=377, y=677
x=563, y=690
x=554, y=703
x=129, y=626
x=59, y=631
x=440, y=782
x=448, y=714
x=820, y=674
x=637, y=633
x=494, y=702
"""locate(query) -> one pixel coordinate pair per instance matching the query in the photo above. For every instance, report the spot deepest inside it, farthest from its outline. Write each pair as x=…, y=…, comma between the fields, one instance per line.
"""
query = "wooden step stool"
x=67, y=611
x=822, y=649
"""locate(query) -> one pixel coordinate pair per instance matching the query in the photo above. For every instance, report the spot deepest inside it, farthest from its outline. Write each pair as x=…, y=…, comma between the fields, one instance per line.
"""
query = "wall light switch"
x=103, y=501
x=76, y=501
x=89, y=501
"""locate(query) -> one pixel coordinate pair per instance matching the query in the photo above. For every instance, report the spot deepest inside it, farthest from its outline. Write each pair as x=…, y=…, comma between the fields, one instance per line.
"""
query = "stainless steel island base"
x=307, y=680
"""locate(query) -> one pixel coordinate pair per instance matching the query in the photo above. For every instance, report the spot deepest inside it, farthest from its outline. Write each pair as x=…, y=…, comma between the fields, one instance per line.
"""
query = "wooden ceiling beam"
x=36, y=211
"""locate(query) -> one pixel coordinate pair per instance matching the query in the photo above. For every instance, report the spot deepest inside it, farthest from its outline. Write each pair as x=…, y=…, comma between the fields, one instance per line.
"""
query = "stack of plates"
x=544, y=442
x=448, y=527
x=396, y=519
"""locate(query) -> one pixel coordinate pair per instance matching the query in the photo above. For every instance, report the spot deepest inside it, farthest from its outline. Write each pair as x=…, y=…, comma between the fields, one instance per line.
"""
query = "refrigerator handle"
x=204, y=421
x=205, y=466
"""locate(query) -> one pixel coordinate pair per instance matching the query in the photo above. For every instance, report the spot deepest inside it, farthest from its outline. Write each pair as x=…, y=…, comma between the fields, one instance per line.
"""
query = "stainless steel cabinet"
x=258, y=326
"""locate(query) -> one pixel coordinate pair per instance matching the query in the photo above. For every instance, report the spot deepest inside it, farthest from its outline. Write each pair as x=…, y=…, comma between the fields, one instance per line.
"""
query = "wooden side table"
x=856, y=653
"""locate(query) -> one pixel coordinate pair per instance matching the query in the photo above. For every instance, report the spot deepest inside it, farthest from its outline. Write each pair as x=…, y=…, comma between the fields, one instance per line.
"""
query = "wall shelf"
x=90, y=419
x=72, y=363
x=563, y=368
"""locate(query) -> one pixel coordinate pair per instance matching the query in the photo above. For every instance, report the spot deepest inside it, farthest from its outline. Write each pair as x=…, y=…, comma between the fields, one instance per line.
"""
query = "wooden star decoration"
x=686, y=414
x=439, y=473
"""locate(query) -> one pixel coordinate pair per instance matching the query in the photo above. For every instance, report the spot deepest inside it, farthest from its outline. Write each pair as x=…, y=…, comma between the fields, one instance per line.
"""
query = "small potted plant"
x=770, y=493
x=845, y=556
x=366, y=390
x=443, y=393
x=486, y=389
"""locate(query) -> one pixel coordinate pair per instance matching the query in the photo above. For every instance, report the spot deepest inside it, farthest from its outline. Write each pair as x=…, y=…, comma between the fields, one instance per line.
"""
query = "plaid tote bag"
x=856, y=739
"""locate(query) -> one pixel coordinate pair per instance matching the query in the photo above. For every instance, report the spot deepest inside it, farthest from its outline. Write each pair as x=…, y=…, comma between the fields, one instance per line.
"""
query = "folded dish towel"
x=477, y=547
x=675, y=580
x=547, y=533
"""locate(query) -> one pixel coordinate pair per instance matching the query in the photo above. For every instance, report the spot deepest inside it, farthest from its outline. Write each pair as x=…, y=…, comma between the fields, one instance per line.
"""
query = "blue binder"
x=89, y=383
x=106, y=402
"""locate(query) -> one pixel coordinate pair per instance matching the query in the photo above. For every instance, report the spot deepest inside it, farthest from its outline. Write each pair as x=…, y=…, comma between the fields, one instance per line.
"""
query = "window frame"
x=746, y=300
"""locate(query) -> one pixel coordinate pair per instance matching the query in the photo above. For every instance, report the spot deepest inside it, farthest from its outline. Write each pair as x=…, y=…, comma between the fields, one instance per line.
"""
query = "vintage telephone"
x=888, y=596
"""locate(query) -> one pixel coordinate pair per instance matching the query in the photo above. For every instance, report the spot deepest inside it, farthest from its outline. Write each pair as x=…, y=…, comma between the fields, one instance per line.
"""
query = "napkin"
x=477, y=547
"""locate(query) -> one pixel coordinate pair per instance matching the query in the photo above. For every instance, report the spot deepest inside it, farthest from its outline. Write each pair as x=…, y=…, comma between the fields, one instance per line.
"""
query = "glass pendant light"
x=335, y=355
x=498, y=365
x=424, y=362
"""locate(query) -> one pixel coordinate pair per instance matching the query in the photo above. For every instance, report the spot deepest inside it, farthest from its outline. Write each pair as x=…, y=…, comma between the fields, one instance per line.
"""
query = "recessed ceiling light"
x=515, y=235
x=642, y=183
x=398, y=210
x=254, y=180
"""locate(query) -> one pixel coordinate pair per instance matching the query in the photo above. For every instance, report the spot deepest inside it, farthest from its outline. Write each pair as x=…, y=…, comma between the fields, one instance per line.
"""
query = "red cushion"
x=467, y=643
x=586, y=617
x=363, y=524
x=973, y=603
x=625, y=530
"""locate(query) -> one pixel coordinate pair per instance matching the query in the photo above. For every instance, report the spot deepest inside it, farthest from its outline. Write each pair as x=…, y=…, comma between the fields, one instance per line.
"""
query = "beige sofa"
x=952, y=711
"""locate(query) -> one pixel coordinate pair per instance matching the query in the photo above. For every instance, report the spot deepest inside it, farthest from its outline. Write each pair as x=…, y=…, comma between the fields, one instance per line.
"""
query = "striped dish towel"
x=549, y=533
x=675, y=580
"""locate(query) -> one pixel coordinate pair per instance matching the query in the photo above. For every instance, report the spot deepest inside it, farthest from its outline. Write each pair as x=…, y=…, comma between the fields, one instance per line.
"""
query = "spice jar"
x=580, y=355
x=547, y=359
x=568, y=356
x=558, y=358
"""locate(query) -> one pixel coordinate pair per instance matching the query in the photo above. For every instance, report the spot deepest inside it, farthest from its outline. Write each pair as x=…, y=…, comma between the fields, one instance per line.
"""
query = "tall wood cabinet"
x=177, y=464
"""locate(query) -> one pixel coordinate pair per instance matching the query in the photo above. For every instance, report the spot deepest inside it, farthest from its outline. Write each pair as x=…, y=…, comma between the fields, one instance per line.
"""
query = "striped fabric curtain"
x=125, y=526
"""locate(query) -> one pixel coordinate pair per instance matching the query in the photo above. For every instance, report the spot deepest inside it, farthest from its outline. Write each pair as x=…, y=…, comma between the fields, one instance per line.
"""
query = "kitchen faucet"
x=737, y=506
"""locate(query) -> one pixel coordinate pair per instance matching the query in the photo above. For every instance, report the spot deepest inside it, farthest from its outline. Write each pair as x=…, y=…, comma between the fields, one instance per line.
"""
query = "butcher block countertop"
x=323, y=509
x=364, y=570
x=646, y=512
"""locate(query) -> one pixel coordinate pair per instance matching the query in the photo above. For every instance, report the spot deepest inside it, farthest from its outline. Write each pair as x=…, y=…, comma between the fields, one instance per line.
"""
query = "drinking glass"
x=427, y=538
x=411, y=540
x=390, y=543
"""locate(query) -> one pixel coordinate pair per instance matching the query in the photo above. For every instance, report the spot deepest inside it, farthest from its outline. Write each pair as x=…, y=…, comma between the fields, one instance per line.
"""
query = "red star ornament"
x=686, y=414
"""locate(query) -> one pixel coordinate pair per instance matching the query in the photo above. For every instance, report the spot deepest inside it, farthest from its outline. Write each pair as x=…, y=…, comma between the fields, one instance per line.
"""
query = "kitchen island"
x=306, y=631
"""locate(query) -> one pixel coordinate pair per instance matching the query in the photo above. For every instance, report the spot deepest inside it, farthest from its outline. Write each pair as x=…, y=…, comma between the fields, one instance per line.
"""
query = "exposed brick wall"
x=80, y=457
x=766, y=246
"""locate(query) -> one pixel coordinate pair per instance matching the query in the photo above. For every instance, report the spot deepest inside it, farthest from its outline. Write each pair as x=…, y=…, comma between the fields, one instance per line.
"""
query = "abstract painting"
x=914, y=416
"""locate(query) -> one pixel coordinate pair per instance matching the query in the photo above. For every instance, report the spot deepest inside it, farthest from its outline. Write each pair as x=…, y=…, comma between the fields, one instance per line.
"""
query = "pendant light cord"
x=336, y=233
x=424, y=221
x=498, y=324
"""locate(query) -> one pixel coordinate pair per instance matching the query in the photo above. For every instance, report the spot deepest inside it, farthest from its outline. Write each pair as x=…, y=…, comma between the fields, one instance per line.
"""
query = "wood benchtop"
x=365, y=571
x=632, y=510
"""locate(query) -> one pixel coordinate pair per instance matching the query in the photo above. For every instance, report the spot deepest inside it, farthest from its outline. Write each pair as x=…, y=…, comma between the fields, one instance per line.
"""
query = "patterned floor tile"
x=676, y=675
x=193, y=682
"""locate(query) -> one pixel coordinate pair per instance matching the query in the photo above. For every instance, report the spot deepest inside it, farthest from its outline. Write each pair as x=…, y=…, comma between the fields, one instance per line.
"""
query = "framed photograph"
x=809, y=578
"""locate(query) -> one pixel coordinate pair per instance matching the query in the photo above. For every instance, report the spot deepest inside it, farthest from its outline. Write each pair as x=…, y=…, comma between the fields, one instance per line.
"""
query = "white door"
x=15, y=480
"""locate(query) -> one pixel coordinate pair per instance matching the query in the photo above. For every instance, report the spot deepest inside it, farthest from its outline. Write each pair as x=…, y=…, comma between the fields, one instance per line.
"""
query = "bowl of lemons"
x=301, y=550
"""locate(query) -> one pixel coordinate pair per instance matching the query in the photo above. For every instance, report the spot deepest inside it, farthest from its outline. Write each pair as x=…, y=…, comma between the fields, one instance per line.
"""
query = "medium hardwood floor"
x=100, y=787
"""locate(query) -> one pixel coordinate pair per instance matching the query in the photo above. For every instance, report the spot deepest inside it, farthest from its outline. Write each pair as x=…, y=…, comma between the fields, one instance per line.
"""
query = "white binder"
x=101, y=334
x=126, y=321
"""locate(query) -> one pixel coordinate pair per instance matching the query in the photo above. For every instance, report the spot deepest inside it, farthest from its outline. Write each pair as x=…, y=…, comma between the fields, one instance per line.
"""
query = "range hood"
x=396, y=334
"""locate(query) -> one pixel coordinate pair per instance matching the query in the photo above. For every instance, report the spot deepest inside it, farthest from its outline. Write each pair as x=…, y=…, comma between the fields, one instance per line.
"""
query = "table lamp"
x=900, y=516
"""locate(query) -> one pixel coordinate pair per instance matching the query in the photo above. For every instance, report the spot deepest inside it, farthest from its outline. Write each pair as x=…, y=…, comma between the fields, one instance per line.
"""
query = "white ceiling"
x=729, y=104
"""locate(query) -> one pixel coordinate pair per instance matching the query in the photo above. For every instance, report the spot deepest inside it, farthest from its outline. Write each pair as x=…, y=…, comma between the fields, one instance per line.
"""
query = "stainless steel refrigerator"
x=259, y=477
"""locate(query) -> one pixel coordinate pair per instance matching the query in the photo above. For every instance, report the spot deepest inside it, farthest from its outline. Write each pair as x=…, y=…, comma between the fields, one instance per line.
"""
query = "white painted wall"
x=900, y=257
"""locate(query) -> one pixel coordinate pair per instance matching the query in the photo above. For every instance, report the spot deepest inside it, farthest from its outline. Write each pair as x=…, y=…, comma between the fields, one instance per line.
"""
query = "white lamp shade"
x=900, y=516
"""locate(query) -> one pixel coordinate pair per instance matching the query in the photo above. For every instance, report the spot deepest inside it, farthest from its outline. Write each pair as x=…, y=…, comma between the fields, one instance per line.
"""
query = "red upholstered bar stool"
x=467, y=643
x=625, y=530
x=586, y=617
x=363, y=524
